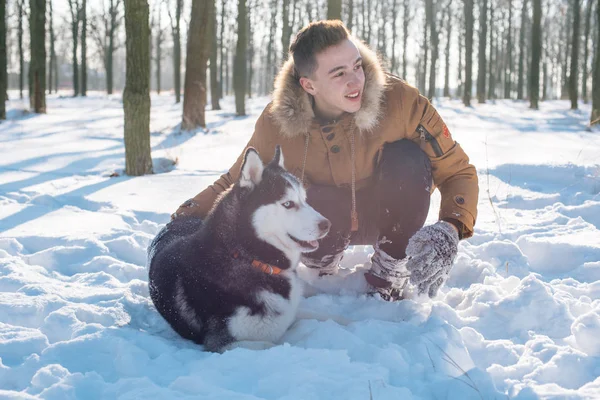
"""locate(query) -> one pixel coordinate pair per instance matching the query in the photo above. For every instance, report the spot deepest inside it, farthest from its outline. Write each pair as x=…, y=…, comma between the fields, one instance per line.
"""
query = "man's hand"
x=431, y=252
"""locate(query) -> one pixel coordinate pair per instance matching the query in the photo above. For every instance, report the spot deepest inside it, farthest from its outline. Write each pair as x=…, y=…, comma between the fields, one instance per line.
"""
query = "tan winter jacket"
x=391, y=110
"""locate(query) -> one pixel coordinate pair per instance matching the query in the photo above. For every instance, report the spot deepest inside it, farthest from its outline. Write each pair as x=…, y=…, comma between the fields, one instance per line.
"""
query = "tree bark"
x=461, y=43
x=84, y=48
x=37, y=65
x=508, y=71
x=239, y=74
x=423, y=69
x=223, y=62
x=482, y=47
x=250, y=49
x=286, y=29
x=521, y=51
x=52, y=63
x=159, y=42
x=595, y=117
x=574, y=70
x=350, y=22
x=270, y=63
x=75, y=10
x=136, y=96
x=198, y=52
x=334, y=9
x=21, y=6
x=431, y=8
x=3, y=60
x=536, y=51
x=176, y=33
x=492, y=61
x=394, y=34
x=113, y=13
x=447, y=52
x=214, y=70
x=468, y=52
x=406, y=17
x=586, y=35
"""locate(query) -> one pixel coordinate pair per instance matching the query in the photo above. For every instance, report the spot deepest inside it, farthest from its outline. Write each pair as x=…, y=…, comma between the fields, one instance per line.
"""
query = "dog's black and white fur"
x=202, y=280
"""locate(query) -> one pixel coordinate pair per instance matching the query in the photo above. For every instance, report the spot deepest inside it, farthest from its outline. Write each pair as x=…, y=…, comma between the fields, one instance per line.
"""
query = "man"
x=368, y=147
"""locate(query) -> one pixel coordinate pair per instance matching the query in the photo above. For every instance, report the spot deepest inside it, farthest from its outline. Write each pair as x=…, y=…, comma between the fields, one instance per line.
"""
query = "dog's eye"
x=289, y=204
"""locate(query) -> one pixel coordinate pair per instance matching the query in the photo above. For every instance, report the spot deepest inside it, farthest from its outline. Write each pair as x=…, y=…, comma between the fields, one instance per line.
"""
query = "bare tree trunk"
x=3, y=60
x=461, y=43
x=536, y=51
x=406, y=17
x=198, y=52
x=586, y=35
x=521, y=51
x=136, y=96
x=21, y=6
x=84, y=48
x=447, y=52
x=251, y=49
x=368, y=24
x=574, y=77
x=75, y=10
x=431, y=9
x=223, y=58
x=492, y=61
x=37, y=65
x=214, y=82
x=176, y=33
x=394, y=34
x=159, y=42
x=423, y=70
x=508, y=71
x=595, y=117
x=334, y=9
x=113, y=14
x=239, y=75
x=468, y=52
x=350, y=22
x=567, y=51
x=52, y=38
x=286, y=29
x=483, y=11
x=270, y=51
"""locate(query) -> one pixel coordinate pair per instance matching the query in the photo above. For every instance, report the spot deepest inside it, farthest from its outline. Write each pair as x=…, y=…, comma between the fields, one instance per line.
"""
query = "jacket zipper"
x=428, y=137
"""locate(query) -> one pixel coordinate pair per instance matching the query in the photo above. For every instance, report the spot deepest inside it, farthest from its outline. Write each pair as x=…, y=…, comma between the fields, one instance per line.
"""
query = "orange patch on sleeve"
x=446, y=132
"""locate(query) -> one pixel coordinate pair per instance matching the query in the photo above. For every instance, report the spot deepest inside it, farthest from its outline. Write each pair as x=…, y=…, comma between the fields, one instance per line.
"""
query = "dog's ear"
x=278, y=158
x=252, y=169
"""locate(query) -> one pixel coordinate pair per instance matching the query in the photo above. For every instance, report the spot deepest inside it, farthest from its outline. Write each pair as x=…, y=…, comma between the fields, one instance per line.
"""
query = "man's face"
x=337, y=84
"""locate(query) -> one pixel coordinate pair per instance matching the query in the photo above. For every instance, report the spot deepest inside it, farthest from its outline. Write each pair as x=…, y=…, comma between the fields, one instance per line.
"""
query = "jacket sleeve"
x=452, y=173
x=203, y=202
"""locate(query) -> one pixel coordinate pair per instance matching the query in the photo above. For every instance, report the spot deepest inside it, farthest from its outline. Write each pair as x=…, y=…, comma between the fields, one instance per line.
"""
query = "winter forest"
x=475, y=51
x=113, y=113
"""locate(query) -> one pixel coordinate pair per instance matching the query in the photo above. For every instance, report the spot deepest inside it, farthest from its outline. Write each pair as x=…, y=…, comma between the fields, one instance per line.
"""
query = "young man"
x=370, y=150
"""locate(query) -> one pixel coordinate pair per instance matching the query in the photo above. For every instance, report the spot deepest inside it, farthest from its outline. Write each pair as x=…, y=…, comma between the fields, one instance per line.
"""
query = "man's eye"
x=289, y=204
x=338, y=74
x=359, y=66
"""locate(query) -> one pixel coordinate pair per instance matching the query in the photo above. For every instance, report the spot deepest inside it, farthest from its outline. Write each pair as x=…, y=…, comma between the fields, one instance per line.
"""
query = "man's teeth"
x=352, y=95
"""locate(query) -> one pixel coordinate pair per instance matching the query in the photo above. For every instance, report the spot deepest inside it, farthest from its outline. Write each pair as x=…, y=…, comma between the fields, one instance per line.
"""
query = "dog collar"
x=263, y=267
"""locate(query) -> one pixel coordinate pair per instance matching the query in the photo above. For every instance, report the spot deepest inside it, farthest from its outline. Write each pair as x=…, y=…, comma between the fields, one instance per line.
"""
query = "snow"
x=519, y=316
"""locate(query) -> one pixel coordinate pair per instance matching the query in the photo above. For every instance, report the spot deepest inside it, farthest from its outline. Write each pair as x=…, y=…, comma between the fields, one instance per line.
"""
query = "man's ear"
x=307, y=85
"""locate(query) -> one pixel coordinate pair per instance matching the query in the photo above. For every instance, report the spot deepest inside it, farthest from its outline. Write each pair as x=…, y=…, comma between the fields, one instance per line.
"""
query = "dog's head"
x=276, y=206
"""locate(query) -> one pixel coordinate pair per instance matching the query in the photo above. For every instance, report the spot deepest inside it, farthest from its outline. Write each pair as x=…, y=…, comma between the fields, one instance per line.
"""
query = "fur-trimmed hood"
x=292, y=107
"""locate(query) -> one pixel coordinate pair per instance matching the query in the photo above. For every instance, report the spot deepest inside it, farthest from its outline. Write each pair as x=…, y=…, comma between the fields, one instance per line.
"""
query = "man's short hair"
x=311, y=40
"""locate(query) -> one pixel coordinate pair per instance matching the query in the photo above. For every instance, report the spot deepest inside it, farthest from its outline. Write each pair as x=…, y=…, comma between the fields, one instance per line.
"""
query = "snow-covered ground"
x=519, y=317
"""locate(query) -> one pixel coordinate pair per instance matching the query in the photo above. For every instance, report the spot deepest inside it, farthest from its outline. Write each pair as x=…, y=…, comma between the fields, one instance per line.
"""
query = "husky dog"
x=230, y=280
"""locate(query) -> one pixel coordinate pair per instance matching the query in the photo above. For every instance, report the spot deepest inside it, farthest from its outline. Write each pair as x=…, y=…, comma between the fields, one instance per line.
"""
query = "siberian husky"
x=230, y=280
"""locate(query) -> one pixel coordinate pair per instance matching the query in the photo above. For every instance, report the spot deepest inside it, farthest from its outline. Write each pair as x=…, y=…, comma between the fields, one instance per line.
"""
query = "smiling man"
x=370, y=150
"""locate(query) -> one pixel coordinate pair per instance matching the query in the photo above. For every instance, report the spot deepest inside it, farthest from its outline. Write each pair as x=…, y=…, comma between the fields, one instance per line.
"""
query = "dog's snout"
x=324, y=225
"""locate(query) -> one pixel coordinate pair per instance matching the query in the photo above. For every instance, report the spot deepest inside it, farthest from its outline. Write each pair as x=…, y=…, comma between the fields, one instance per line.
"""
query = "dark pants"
x=390, y=211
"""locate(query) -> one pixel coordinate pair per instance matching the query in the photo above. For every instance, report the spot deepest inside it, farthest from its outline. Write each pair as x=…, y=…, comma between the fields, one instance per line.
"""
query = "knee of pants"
x=405, y=160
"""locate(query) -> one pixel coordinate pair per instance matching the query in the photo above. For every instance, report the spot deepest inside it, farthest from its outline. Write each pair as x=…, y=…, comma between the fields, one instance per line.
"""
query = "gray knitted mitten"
x=431, y=252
